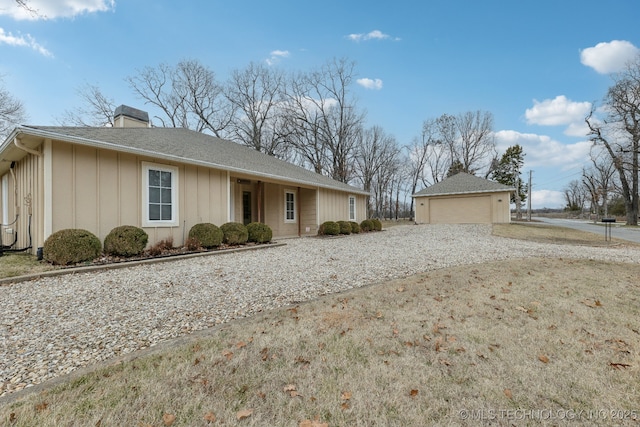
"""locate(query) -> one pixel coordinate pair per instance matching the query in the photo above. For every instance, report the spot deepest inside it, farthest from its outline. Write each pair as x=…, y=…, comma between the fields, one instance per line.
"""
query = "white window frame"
x=352, y=203
x=146, y=222
x=286, y=208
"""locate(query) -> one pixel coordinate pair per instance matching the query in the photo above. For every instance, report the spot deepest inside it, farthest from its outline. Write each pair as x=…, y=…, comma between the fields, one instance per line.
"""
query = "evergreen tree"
x=508, y=171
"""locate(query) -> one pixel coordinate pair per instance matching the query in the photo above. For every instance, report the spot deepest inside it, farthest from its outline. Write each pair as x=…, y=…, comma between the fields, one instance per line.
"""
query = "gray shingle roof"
x=187, y=146
x=463, y=183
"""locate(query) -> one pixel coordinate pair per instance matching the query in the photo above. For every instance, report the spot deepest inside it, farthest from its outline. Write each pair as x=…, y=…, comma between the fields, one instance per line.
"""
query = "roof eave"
x=458, y=193
x=102, y=144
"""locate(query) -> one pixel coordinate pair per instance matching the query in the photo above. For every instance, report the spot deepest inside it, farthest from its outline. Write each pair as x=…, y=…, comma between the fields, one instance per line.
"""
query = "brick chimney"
x=129, y=117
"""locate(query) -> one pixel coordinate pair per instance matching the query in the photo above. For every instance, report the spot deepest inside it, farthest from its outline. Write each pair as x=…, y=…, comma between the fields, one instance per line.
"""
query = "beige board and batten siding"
x=334, y=206
x=21, y=201
x=467, y=209
x=274, y=204
x=98, y=189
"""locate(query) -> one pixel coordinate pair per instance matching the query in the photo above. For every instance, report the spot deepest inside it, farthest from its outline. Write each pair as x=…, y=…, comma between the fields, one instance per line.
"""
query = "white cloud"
x=557, y=111
x=23, y=41
x=370, y=83
x=609, y=57
x=543, y=151
x=276, y=56
x=578, y=129
x=547, y=199
x=372, y=35
x=52, y=9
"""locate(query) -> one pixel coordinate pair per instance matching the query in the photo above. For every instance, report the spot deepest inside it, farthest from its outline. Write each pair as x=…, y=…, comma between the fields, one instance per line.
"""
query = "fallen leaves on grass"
x=291, y=390
x=313, y=423
x=592, y=304
x=543, y=358
x=619, y=366
x=210, y=417
x=245, y=413
x=168, y=419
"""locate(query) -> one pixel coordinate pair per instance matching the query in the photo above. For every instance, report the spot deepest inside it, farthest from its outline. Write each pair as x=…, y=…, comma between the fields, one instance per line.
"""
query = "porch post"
x=259, y=201
x=299, y=213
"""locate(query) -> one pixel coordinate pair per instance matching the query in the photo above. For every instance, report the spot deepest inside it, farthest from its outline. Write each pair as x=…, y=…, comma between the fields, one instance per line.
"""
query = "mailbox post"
x=607, y=227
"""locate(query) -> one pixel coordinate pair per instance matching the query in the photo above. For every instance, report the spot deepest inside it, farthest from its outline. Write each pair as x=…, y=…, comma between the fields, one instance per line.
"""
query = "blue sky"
x=535, y=65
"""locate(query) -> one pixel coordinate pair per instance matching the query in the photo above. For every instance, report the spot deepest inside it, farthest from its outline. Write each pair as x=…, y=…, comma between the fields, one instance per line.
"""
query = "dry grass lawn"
x=507, y=343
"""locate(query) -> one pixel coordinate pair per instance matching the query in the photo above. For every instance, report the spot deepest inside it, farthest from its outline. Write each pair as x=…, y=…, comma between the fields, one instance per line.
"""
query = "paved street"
x=617, y=229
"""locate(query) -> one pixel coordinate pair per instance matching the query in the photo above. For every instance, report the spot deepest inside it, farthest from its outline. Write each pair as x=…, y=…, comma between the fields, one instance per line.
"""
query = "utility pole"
x=529, y=198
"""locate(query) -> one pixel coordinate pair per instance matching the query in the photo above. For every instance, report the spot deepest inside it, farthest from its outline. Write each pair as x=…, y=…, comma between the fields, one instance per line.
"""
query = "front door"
x=246, y=207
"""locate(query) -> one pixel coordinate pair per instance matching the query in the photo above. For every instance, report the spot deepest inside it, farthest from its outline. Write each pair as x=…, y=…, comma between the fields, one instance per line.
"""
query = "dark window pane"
x=154, y=212
x=166, y=212
x=154, y=178
x=166, y=179
x=154, y=195
x=166, y=195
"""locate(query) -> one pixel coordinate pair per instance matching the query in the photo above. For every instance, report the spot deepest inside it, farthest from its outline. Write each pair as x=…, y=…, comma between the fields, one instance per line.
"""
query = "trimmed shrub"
x=355, y=227
x=345, y=227
x=377, y=225
x=71, y=246
x=329, y=228
x=208, y=235
x=126, y=241
x=366, y=225
x=234, y=233
x=259, y=232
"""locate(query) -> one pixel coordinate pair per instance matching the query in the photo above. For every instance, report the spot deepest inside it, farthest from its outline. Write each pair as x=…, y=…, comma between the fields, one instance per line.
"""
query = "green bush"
x=259, y=232
x=377, y=225
x=366, y=225
x=208, y=235
x=329, y=228
x=126, y=241
x=234, y=233
x=355, y=227
x=345, y=227
x=71, y=246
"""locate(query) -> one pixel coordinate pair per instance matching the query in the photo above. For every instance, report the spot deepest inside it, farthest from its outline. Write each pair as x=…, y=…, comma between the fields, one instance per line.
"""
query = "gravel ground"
x=52, y=326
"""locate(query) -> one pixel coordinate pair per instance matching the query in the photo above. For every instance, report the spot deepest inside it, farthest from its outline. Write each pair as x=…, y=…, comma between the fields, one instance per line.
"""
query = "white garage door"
x=461, y=210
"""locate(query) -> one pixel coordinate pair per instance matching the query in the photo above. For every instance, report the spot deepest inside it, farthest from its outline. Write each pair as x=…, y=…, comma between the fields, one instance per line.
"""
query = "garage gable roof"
x=463, y=183
x=186, y=146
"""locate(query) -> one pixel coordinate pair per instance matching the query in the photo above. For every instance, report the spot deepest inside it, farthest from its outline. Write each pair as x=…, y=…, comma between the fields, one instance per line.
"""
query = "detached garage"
x=463, y=199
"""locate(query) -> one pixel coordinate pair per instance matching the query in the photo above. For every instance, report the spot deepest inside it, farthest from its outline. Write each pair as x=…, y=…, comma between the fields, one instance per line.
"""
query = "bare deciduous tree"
x=619, y=133
x=96, y=109
x=256, y=94
x=574, y=194
x=470, y=139
x=599, y=180
x=12, y=112
x=428, y=157
x=326, y=118
x=375, y=152
x=187, y=95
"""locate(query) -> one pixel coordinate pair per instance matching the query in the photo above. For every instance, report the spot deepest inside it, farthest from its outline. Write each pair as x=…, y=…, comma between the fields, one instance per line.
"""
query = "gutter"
x=102, y=144
x=17, y=143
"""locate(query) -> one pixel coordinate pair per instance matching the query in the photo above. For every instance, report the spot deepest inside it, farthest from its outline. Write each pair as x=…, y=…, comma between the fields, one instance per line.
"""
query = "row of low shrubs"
x=72, y=246
x=333, y=228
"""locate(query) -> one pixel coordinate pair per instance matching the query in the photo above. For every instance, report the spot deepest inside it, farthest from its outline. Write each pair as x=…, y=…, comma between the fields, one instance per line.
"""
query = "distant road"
x=617, y=231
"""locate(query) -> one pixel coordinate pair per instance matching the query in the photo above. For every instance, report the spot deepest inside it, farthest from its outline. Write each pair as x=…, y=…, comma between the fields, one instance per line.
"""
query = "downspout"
x=19, y=144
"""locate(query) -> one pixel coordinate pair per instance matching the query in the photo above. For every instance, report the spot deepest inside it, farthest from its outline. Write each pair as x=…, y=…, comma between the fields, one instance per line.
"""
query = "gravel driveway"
x=52, y=326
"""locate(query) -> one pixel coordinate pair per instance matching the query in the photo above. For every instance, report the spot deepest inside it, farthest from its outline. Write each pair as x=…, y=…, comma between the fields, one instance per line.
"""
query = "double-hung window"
x=352, y=208
x=160, y=188
x=289, y=206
